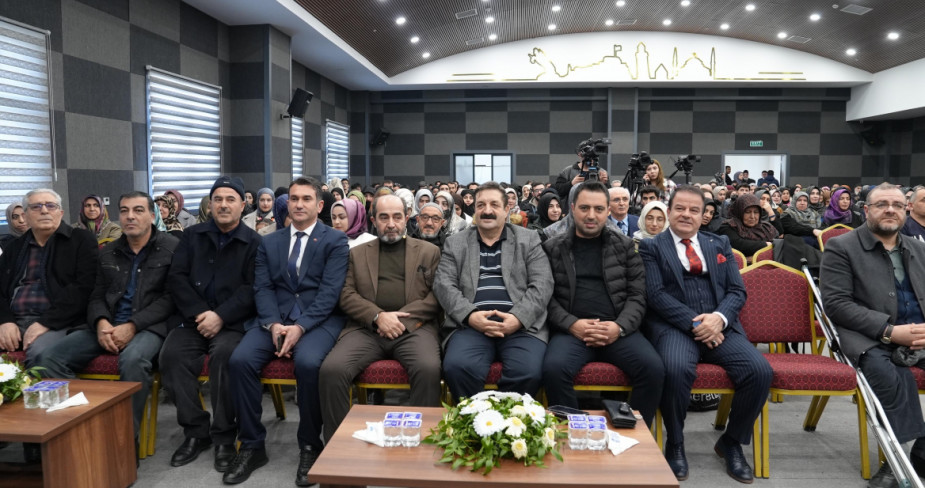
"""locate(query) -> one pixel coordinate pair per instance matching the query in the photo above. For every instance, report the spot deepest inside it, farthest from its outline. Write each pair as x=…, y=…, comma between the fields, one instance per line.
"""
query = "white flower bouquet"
x=13, y=378
x=489, y=426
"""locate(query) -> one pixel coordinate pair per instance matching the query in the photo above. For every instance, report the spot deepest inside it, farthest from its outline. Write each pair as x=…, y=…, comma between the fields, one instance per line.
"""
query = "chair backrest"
x=740, y=258
x=766, y=253
x=830, y=232
x=779, y=307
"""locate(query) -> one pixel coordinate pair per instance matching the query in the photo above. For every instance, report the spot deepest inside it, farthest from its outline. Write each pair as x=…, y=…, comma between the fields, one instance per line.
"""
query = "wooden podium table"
x=84, y=446
x=351, y=462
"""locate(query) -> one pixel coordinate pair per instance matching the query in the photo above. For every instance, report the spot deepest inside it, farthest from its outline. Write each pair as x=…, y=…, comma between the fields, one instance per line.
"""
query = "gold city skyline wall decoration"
x=691, y=69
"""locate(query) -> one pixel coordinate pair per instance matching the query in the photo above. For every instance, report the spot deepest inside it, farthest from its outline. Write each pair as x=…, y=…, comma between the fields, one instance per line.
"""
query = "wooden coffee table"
x=86, y=446
x=349, y=461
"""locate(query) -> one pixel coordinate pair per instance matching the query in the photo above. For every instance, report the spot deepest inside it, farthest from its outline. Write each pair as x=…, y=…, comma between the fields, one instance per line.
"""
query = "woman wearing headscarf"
x=468, y=197
x=745, y=228
x=653, y=220
x=800, y=212
x=358, y=196
x=205, y=210
x=262, y=219
x=349, y=217
x=452, y=222
x=338, y=194
x=711, y=220
x=458, y=205
x=95, y=218
x=324, y=215
x=16, y=223
x=515, y=215
x=421, y=197
x=839, y=210
x=185, y=218
x=815, y=201
x=548, y=210
x=281, y=211
x=167, y=211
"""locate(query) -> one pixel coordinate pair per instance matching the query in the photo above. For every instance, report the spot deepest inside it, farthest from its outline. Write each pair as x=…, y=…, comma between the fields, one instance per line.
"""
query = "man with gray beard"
x=430, y=224
x=391, y=314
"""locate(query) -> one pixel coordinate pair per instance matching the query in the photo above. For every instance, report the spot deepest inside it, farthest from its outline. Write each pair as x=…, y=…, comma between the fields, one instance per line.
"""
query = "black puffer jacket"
x=624, y=277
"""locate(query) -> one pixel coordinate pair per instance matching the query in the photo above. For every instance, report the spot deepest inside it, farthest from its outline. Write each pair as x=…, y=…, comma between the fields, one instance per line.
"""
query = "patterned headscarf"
x=170, y=222
x=97, y=224
x=356, y=217
x=762, y=231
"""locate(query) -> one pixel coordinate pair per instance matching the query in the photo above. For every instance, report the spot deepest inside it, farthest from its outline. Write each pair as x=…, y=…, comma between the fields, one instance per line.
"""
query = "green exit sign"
x=755, y=143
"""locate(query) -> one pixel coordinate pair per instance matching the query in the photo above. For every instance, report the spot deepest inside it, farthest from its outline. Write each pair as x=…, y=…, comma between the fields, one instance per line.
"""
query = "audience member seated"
x=644, y=195
x=430, y=225
x=421, y=197
x=695, y=294
x=515, y=215
x=185, y=218
x=839, y=210
x=468, y=196
x=167, y=210
x=745, y=228
x=281, y=211
x=626, y=222
x=548, y=212
x=915, y=221
x=327, y=203
x=129, y=307
x=94, y=217
x=711, y=219
x=494, y=283
x=205, y=209
x=598, y=305
x=391, y=314
x=349, y=217
x=262, y=219
x=451, y=222
x=298, y=279
x=15, y=222
x=48, y=275
x=458, y=205
x=816, y=203
x=211, y=280
x=801, y=213
x=654, y=221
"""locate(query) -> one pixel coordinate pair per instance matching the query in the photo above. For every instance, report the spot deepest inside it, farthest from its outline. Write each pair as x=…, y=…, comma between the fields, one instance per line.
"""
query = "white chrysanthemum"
x=536, y=412
x=482, y=395
x=515, y=427
x=475, y=407
x=549, y=437
x=527, y=399
x=518, y=411
x=519, y=448
x=8, y=372
x=508, y=394
x=488, y=422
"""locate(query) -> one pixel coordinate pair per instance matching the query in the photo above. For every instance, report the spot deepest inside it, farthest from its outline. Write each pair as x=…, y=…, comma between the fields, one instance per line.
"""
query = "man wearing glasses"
x=430, y=224
x=46, y=277
x=878, y=313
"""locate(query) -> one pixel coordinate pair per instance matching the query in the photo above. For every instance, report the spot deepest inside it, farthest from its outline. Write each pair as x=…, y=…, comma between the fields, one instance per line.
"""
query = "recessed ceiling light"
x=781, y=35
x=666, y=22
x=893, y=36
x=851, y=52
x=415, y=39
x=608, y=22
x=685, y=3
x=556, y=8
x=489, y=19
x=750, y=7
x=492, y=37
x=724, y=26
x=815, y=17
x=620, y=3
x=551, y=27
x=400, y=20
x=425, y=55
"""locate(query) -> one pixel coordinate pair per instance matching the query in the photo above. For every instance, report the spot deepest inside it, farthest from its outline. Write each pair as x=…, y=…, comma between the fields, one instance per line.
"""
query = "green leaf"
x=457, y=463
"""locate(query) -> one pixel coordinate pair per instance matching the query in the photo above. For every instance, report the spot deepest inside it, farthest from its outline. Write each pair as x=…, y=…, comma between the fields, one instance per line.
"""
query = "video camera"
x=686, y=163
x=639, y=162
x=590, y=152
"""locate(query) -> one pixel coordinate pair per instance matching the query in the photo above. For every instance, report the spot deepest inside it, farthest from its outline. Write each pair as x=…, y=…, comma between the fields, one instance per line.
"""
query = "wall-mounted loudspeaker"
x=870, y=132
x=299, y=104
x=380, y=137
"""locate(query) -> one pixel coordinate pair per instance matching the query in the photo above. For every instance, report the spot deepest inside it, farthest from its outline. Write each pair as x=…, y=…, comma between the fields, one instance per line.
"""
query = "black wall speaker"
x=870, y=132
x=299, y=103
x=380, y=137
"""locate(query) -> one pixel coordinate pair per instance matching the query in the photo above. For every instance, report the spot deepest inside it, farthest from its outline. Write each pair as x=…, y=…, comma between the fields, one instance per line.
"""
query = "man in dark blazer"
x=211, y=280
x=626, y=222
x=46, y=277
x=299, y=275
x=392, y=314
x=695, y=293
x=494, y=282
x=873, y=289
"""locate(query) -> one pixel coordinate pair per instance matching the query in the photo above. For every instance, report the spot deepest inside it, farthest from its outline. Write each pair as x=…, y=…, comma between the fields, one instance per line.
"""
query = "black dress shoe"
x=884, y=478
x=224, y=454
x=189, y=451
x=736, y=465
x=677, y=461
x=32, y=452
x=244, y=463
x=307, y=458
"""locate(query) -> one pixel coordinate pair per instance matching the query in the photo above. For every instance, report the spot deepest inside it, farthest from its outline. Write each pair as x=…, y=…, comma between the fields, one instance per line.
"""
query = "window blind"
x=337, y=150
x=298, y=145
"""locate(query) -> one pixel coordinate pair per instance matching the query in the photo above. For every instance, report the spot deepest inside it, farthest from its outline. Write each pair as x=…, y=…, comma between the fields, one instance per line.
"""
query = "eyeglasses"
x=50, y=206
x=897, y=206
x=430, y=218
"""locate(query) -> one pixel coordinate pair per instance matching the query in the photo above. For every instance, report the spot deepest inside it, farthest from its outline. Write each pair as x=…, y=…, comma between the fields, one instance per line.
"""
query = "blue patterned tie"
x=622, y=227
x=294, y=272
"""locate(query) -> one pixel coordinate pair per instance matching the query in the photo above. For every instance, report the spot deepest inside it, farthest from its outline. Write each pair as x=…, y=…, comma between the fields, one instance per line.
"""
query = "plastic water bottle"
x=577, y=435
x=597, y=436
x=411, y=433
x=391, y=430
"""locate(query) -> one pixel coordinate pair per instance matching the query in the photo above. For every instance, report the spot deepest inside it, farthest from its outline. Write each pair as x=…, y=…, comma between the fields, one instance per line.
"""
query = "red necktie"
x=696, y=265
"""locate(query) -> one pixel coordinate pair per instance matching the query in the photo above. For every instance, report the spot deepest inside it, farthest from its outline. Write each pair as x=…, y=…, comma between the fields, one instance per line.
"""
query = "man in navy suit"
x=299, y=274
x=619, y=211
x=695, y=293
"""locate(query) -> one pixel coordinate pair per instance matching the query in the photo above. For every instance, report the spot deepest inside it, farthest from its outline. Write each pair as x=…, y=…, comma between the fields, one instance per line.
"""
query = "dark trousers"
x=181, y=362
x=469, y=354
x=566, y=355
x=896, y=389
x=746, y=367
x=418, y=352
x=254, y=352
x=75, y=351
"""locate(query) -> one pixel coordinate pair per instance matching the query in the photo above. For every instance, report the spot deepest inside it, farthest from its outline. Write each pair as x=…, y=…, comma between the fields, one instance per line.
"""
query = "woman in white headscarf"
x=653, y=220
x=422, y=194
x=452, y=222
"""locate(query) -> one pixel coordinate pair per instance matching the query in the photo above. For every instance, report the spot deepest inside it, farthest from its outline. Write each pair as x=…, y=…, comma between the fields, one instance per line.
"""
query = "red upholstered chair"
x=766, y=253
x=18, y=356
x=106, y=367
x=387, y=374
x=741, y=260
x=830, y=232
x=780, y=309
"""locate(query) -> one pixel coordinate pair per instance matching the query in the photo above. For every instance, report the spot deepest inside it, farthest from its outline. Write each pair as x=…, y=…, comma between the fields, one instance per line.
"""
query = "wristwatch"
x=887, y=336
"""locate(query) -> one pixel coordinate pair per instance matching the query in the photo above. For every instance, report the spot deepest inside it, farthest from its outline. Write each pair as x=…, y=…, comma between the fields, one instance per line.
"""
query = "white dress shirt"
x=681, y=249
x=292, y=240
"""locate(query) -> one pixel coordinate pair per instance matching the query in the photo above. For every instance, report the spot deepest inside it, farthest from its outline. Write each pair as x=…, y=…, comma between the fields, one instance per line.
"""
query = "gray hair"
x=25, y=199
